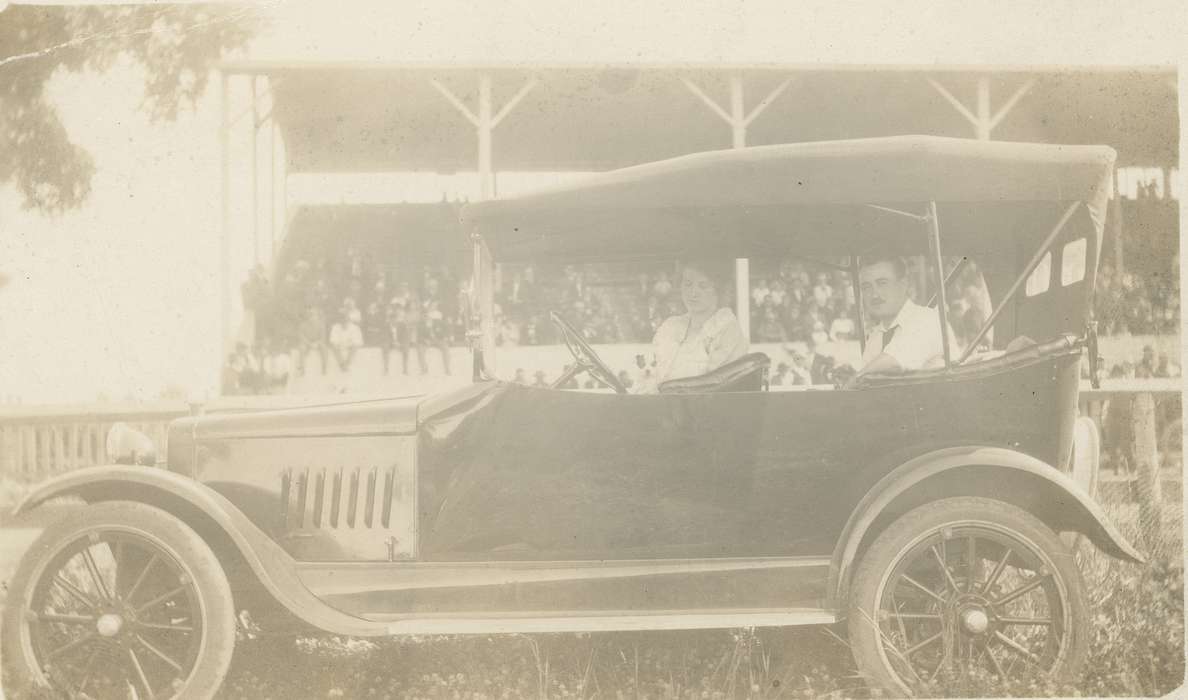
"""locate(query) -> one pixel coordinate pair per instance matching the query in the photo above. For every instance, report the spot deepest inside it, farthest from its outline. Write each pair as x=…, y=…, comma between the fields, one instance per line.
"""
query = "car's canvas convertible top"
x=753, y=200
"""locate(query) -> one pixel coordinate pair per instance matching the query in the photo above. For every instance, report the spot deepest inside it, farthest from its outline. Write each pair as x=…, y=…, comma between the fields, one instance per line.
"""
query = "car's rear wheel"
x=120, y=599
x=967, y=594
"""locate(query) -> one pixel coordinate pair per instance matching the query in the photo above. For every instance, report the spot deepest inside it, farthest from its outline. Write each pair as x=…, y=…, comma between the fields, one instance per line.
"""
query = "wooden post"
x=982, y=126
x=73, y=459
x=1116, y=225
x=58, y=451
x=1146, y=465
x=255, y=169
x=225, y=217
x=739, y=119
x=29, y=452
x=8, y=449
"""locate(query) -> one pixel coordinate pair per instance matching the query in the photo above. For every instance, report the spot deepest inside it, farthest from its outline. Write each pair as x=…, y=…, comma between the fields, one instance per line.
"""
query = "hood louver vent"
x=354, y=498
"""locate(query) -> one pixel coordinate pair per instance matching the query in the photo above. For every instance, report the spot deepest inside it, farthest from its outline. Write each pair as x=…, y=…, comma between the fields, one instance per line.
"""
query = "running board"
x=609, y=621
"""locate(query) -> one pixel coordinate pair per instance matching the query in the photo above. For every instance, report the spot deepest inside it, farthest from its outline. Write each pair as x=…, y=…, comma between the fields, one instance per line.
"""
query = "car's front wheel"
x=967, y=594
x=120, y=599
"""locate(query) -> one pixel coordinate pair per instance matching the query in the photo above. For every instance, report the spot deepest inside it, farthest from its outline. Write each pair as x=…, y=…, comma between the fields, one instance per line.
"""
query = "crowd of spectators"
x=329, y=309
x=788, y=305
x=326, y=310
x=1136, y=304
x=603, y=306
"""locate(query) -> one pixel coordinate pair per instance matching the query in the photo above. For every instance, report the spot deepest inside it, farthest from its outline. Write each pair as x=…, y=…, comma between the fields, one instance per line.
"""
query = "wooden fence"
x=37, y=442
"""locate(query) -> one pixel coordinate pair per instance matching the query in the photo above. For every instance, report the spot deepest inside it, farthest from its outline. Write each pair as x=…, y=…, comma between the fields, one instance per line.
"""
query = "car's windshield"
x=803, y=313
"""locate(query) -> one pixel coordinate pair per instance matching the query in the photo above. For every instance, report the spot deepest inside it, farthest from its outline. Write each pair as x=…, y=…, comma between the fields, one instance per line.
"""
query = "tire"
x=906, y=616
x=79, y=621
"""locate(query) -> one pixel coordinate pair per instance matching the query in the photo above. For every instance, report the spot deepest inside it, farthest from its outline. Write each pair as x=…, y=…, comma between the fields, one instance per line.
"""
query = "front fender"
x=1009, y=472
x=189, y=499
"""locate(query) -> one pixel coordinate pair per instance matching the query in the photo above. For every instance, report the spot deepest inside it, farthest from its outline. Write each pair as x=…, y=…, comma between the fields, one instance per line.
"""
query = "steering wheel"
x=585, y=359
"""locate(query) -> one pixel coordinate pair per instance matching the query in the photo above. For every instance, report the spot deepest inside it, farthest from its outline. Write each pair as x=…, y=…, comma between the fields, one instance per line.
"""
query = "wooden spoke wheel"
x=120, y=599
x=967, y=593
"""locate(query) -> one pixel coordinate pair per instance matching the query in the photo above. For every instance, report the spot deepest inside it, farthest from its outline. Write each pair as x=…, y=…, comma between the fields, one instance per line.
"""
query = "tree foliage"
x=177, y=45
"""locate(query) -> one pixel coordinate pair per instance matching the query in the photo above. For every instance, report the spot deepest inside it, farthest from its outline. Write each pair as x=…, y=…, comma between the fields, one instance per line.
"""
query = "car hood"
x=390, y=416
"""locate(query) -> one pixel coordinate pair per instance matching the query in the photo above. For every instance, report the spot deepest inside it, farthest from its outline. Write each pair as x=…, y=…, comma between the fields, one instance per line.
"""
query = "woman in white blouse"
x=703, y=338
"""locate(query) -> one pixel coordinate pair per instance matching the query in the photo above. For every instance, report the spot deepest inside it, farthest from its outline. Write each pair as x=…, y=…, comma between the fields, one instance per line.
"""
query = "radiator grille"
x=352, y=498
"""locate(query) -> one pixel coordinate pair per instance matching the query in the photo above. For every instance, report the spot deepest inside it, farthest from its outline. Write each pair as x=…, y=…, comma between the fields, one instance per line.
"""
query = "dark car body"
x=500, y=507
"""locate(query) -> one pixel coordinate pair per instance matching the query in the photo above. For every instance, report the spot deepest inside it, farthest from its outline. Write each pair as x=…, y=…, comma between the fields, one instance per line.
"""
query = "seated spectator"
x=1166, y=368
x=407, y=324
x=345, y=340
x=351, y=310
x=276, y=366
x=435, y=331
x=800, y=373
x=231, y=369
x=539, y=380
x=818, y=315
x=770, y=329
x=794, y=323
x=319, y=295
x=779, y=294
x=311, y=335
x=842, y=328
x=823, y=291
x=246, y=365
x=663, y=287
x=759, y=292
x=381, y=331
x=819, y=364
x=782, y=376
x=257, y=302
x=375, y=319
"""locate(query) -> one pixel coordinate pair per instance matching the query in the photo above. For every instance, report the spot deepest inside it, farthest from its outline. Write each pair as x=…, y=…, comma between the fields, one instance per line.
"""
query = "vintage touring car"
x=923, y=508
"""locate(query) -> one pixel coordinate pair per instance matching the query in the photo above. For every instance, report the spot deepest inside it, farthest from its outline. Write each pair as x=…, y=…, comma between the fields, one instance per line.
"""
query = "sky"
x=120, y=299
x=115, y=298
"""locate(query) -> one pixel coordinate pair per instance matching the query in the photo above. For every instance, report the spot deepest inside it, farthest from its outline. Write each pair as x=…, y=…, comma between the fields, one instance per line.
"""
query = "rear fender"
x=203, y=509
x=989, y=472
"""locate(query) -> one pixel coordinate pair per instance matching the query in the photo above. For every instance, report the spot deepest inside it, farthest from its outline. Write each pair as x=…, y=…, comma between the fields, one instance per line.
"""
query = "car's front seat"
x=747, y=373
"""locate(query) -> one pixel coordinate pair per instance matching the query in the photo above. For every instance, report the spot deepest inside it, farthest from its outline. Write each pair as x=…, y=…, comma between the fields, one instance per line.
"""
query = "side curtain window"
x=1041, y=277
x=1072, y=262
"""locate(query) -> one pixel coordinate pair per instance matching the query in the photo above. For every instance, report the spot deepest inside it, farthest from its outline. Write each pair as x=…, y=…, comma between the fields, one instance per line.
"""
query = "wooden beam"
x=1011, y=102
x=515, y=100
x=453, y=99
x=708, y=101
x=766, y=101
x=956, y=103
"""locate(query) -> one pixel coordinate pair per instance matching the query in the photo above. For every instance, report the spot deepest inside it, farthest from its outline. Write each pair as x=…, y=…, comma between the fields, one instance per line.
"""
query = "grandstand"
x=460, y=133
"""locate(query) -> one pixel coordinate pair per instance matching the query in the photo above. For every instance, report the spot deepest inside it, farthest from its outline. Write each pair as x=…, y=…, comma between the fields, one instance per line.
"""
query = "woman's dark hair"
x=720, y=274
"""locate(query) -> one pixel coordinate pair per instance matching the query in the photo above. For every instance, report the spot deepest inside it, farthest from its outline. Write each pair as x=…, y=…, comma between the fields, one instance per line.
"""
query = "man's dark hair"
x=895, y=261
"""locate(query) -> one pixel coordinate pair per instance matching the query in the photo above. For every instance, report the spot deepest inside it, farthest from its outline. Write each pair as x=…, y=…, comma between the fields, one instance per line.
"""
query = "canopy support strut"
x=859, y=312
x=983, y=121
x=739, y=119
x=482, y=289
x=942, y=306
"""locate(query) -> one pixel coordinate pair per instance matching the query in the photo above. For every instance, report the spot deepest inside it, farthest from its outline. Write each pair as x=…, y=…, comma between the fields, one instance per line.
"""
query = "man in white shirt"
x=907, y=335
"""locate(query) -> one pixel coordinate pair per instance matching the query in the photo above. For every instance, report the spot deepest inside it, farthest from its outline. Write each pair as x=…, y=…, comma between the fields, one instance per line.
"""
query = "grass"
x=1137, y=650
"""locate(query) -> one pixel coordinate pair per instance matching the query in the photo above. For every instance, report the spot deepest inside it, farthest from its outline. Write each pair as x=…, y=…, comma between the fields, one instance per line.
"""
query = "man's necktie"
x=888, y=335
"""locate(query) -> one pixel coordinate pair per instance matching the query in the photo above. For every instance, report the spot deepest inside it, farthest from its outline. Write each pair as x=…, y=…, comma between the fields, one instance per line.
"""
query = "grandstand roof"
x=366, y=117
